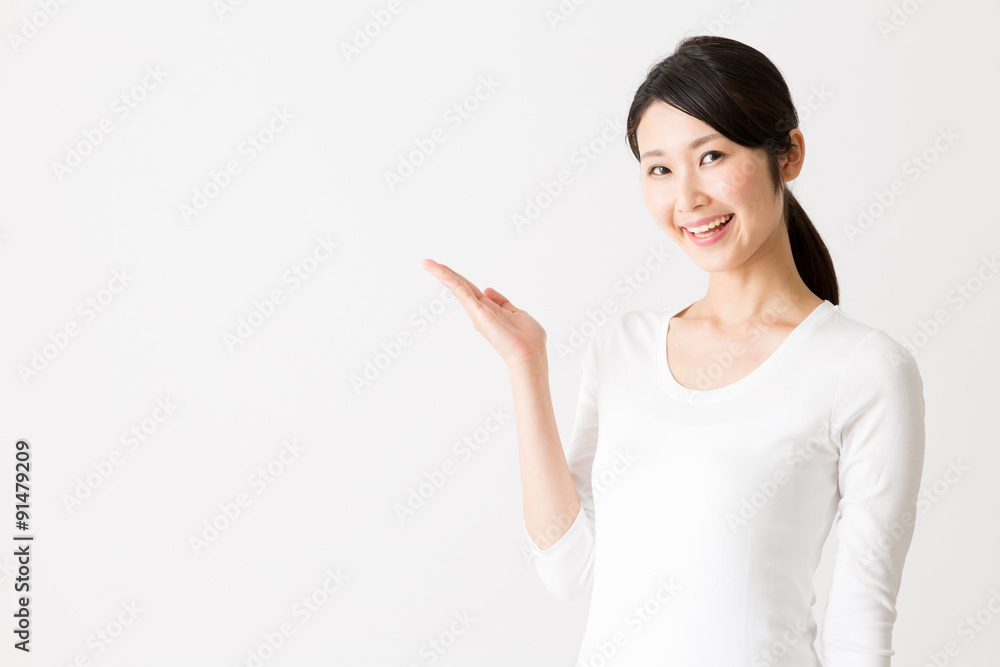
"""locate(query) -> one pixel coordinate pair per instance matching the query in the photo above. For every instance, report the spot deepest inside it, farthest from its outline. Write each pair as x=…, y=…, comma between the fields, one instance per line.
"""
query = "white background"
x=363, y=448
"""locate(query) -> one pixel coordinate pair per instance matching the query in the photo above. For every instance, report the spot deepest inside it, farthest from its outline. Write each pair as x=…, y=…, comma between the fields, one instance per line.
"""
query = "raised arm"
x=550, y=499
x=564, y=556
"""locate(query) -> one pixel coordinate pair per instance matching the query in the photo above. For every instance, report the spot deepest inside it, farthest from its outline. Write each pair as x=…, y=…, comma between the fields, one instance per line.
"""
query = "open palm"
x=512, y=332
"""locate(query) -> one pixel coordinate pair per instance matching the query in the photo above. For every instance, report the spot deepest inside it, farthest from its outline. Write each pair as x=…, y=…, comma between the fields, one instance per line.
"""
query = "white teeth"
x=712, y=225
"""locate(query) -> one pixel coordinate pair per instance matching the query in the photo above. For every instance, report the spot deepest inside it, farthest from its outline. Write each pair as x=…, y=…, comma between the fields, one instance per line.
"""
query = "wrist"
x=533, y=364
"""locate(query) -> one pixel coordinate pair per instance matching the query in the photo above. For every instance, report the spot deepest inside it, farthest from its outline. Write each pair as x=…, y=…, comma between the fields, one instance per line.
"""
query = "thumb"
x=499, y=299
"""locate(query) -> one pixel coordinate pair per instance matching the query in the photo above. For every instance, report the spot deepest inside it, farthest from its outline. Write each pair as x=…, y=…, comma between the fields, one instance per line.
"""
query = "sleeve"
x=878, y=423
x=566, y=568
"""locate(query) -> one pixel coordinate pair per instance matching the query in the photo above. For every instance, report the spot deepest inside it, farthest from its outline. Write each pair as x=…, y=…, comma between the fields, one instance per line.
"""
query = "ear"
x=791, y=164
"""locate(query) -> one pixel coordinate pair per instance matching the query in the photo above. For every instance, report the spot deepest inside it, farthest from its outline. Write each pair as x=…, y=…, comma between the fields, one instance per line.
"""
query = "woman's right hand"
x=511, y=331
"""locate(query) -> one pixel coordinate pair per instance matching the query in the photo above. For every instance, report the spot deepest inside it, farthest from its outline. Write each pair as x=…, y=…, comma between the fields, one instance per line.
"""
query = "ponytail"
x=812, y=258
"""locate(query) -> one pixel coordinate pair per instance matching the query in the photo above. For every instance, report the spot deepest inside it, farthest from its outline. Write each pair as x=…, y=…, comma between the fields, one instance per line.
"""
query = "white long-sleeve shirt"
x=704, y=513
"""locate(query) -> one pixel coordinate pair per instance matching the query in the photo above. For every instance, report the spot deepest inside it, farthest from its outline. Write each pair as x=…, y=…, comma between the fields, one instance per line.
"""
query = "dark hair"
x=739, y=92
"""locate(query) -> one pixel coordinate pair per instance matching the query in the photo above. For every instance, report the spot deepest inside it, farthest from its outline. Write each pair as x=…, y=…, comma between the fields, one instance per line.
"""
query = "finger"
x=437, y=271
x=450, y=278
x=463, y=280
x=475, y=303
x=499, y=299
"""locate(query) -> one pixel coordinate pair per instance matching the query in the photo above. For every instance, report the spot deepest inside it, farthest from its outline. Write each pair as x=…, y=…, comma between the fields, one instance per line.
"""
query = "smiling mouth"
x=707, y=230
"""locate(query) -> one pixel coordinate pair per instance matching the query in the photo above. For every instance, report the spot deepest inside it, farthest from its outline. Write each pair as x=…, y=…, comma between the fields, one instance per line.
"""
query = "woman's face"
x=688, y=181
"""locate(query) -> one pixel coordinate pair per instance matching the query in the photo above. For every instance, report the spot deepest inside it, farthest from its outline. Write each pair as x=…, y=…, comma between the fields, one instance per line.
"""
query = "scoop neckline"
x=792, y=341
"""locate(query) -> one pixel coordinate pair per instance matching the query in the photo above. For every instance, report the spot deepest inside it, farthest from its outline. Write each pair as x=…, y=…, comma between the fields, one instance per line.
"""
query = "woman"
x=734, y=430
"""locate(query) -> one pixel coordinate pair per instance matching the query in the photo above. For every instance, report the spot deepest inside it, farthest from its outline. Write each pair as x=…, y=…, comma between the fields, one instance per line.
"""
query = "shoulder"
x=877, y=351
x=873, y=361
x=868, y=348
x=879, y=396
x=630, y=328
x=622, y=331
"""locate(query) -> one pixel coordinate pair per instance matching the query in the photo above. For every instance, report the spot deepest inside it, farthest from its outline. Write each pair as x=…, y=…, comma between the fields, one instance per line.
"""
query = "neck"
x=767, y=286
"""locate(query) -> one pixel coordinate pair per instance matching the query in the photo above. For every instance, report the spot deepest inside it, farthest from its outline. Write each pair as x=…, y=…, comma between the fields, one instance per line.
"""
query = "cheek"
x=742, y=175
x=655, y=199
x=736, y=183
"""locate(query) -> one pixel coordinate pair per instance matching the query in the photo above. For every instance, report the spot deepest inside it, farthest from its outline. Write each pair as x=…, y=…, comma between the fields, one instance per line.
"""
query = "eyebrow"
x=656, y=152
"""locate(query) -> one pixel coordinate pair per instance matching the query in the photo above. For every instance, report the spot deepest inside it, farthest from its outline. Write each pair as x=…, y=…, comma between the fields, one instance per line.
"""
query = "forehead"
x=666, y=128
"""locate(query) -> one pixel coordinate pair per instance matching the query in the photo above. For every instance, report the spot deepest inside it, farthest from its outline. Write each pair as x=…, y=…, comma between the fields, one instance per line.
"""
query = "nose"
x=689, y=193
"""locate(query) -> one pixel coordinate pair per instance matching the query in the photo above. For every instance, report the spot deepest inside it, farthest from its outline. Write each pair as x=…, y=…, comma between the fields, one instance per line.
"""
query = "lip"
x=714, y=238
x=704, y=221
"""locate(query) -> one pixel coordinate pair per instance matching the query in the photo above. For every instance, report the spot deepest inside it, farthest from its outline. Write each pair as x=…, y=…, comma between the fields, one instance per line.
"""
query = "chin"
x=714, y=268
x=712, y=265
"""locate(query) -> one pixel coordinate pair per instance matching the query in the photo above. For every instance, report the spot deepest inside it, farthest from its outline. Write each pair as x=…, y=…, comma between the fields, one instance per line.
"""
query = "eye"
x=652, y=169
x=719, y=153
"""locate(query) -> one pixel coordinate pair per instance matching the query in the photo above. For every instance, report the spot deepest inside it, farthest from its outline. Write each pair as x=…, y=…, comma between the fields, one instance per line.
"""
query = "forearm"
x=550, y=499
